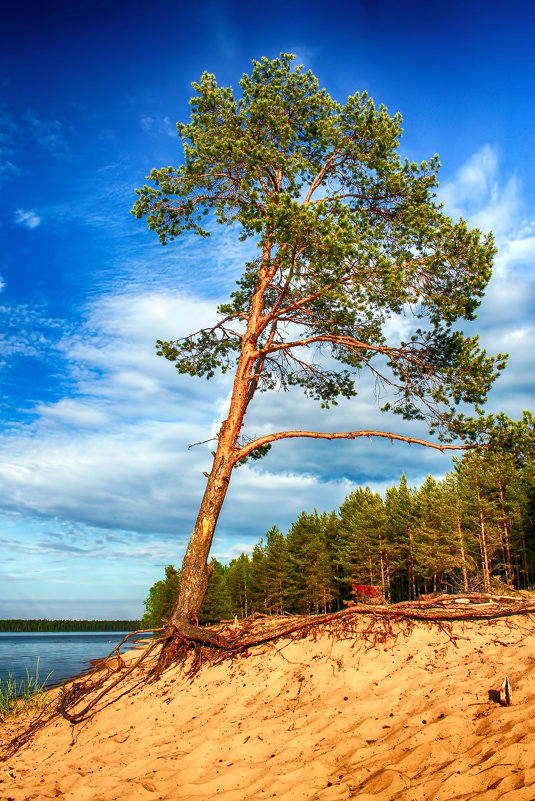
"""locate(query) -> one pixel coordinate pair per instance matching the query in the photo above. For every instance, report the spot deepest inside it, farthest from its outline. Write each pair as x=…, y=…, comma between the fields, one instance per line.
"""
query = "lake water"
x=63, y=655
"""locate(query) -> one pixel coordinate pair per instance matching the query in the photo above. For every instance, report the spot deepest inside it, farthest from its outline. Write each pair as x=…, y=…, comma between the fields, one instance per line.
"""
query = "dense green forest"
x=68, y=625
x=474, y=530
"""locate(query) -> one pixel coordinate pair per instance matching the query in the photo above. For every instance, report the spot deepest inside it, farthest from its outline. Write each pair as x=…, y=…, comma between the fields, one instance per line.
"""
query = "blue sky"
x=98, y=489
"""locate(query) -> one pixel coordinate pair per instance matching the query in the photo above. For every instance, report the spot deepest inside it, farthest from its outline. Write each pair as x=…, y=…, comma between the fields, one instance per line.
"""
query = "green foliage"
x=309, y=582
x=258, y=581
x=17, y=697
x=216, y=605
x=436, y=547
x=361, y=539
x=161, y=599
x=276, y=570
x=348, y=234
x=238, y=579
x=163, y=594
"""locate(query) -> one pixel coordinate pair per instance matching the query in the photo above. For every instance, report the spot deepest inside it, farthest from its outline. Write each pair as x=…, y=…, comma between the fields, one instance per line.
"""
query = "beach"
x=407, y=712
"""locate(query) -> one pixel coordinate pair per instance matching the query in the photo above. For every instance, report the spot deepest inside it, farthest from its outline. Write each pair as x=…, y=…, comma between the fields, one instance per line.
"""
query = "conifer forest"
x=472, y=531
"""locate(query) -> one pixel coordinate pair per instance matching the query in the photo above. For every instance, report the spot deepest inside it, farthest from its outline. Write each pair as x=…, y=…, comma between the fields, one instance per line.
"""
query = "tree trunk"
x=412, y=575
x=483, y=544
x=382, y=565
x=462, y=549
x=507, y=550
x=195, y=571
x=387, y=563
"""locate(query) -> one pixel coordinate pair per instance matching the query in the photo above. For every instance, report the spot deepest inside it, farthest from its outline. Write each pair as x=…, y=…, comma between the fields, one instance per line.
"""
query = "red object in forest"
x=367, y=591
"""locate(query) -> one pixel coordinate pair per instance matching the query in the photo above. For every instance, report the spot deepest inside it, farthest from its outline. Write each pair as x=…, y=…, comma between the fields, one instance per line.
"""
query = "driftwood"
x=506, y=693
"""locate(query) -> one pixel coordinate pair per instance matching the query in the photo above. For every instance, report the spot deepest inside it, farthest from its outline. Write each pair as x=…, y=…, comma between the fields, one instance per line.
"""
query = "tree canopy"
x=349, y=236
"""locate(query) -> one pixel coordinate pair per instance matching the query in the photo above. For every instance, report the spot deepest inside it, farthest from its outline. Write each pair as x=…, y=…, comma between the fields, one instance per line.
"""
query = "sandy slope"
x=409, y=718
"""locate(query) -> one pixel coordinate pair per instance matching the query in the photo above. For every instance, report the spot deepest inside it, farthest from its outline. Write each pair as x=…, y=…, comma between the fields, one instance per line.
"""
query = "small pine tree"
x=161, y=599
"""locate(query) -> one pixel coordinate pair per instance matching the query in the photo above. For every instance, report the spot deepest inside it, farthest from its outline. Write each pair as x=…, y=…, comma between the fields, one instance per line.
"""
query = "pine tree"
x=161, y=599
x=362, y=539
x=436, y=541
x=276, y=569
x=479, y=512
x=238, y=583
x=308, y=584
x=399, y=505
x=348, y=236
x=452, y=514
x=216, y=604
x=258, y=580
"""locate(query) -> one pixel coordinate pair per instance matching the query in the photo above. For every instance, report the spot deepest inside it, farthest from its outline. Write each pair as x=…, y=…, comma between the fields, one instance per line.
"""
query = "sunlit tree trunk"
x=483, y=544
x=508, y=563
x=382, y=561
x=462, y=550
x=412, y=575
x=195, y=570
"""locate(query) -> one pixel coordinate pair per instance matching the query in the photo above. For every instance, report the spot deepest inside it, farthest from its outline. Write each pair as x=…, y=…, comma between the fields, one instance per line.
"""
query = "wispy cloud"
x=146, y=123
x=8, y=130
x=26, y=218
x=160, y=125
x=7, y=168
x=491, y=202
x=129, y=466
x=50, y=134
x=71, y=412
x=474, y=182
x=17, y=131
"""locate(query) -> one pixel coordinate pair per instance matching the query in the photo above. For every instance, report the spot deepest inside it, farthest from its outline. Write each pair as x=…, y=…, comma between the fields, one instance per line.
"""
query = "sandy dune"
x=408, y=718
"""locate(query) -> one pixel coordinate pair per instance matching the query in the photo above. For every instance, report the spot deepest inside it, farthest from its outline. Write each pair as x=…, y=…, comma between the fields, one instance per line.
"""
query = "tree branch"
x=320, y=176
x=246, y=450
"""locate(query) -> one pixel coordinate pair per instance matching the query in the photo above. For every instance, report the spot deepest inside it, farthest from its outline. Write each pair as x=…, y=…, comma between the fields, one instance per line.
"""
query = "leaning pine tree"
x=348, y=236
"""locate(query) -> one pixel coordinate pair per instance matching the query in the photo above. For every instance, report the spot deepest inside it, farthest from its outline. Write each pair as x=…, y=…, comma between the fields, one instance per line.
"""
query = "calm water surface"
x=63, y=655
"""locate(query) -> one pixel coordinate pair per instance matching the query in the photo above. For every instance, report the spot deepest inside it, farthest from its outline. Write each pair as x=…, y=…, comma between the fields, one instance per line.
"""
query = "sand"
x=411, y=718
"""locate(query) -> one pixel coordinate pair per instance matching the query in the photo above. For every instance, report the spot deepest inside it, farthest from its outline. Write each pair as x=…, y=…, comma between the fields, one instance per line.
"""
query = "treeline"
x=68, y=625
x=474, y=530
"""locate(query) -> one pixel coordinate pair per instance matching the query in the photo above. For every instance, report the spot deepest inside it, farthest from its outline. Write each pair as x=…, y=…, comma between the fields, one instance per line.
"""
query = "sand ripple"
x=408, y=719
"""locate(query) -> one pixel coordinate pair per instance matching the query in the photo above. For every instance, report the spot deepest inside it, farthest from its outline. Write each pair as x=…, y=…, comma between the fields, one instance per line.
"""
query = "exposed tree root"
x=192, y=646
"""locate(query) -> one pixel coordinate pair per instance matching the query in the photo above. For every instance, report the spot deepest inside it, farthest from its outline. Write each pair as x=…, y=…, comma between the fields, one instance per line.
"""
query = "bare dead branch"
x=202, y=442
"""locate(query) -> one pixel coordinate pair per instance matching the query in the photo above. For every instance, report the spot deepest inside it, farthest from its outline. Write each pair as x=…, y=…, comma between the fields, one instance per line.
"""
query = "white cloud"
x=169, y=127
x=28, y=219
x=115, y=454
x=491, y=201
x=2, y=284
x=74, y=413
x=516, y=254
x=161, y=126
x=112, y=455
x=473, y=182
x=477, y=194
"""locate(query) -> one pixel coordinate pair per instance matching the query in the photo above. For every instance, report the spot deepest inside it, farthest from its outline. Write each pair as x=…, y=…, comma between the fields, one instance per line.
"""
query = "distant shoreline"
x=15, y=626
